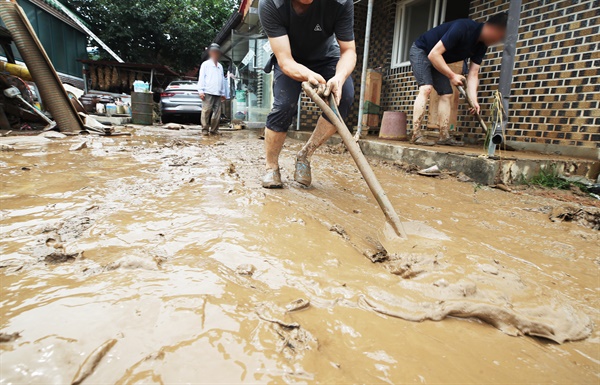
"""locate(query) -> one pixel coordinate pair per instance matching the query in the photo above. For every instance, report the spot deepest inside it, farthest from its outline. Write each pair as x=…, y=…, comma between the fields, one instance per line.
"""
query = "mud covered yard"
x=158, y=258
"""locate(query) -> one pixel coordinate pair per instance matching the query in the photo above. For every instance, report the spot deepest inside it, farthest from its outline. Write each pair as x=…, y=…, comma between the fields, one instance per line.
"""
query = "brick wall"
x=556, y=92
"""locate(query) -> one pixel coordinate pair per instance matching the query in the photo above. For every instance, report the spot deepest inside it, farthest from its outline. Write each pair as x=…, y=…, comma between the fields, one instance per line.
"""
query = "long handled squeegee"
x=331, y=111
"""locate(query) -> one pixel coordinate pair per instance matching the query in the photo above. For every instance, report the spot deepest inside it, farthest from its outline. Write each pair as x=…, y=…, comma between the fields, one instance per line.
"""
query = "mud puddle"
x=159, y=259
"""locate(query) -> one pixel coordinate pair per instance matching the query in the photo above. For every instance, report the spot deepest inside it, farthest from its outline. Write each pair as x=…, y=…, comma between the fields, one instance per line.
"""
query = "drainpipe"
x=363, y=77
x=506, y=69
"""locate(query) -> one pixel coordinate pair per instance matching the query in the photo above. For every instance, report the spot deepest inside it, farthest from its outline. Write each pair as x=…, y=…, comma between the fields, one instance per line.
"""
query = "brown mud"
x=158, y=258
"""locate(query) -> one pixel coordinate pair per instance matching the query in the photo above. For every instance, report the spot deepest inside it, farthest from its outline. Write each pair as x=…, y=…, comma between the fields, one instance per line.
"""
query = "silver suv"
x=181, y=102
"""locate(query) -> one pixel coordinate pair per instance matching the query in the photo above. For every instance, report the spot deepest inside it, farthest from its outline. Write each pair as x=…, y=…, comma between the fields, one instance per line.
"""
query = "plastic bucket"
x=393, y=126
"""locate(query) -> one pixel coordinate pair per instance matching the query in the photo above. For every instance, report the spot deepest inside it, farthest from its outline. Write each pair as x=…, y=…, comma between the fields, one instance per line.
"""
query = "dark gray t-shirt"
x=313, y=34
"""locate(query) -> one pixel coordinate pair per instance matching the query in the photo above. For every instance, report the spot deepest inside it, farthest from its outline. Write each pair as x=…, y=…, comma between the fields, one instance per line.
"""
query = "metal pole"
x=508, y=64
x=151, y=78
x=436, y=14
x=299, y=111
x=363, y=77
x=443, y=14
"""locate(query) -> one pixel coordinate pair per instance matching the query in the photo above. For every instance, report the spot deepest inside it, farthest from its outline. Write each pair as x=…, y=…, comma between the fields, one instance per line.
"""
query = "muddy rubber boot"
x=450, y=142
x=421, y=141
x=204, y=132
x=303, y=173
x=272, y=179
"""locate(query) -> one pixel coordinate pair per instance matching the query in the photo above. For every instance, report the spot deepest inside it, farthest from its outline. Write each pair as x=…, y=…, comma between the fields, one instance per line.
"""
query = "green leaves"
x=169, y=32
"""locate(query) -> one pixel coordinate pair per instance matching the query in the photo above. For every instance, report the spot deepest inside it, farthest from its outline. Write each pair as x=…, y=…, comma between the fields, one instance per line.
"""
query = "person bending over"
x=430, y=54
x=312, y=40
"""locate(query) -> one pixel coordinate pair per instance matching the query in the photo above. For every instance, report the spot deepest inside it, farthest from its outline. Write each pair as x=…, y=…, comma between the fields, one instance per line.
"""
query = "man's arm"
x=436, y=58
x=344, y=69
x=202, y=81
x=282, y=50
x=473, y=85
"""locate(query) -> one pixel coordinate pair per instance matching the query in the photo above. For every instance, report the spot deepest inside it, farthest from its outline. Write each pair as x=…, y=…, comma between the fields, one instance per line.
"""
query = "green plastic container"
x=371, y=108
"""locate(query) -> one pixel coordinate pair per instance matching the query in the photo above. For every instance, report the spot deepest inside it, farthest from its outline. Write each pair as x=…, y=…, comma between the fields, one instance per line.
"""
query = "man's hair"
x=498, y=20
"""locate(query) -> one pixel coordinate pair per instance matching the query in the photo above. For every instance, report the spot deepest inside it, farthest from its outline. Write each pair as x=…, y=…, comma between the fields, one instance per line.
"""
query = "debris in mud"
x=298, y=304
x=411, y=265
x=431, y=171
x=559, y=325
x=52, y=135
x=179, y=161
x=299, y=221
x=9, y=337
x=60, y=257
x=339, y=230
x=173, y=126
x=584, y=216
x=79, y=146
x=339, y=148
x=379, y=254
x=264, y=312
x=543, y=209
x=502, y=186
x=132, y=263
x=293, y=339
x=245, y=269
x=177, y=143
x=6, y=147
x=406, y=167
x=90, y=363
x=73, y=227
x=489, y=269
x=462, y=177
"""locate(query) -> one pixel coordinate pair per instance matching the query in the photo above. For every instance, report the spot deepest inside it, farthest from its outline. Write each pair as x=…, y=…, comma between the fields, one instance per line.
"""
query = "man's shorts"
x=426, y=74
x=286, y=91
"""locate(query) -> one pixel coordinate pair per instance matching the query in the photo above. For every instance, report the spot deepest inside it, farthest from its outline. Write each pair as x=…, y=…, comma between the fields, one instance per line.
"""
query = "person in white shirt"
x=212, y=89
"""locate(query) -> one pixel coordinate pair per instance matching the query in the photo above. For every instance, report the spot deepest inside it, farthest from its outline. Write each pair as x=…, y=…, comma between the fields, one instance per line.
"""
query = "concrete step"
x=509, y=167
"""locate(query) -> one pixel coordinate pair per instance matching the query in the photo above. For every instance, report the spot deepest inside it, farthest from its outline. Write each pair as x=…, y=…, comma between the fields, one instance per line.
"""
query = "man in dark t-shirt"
x=430, y=54
x=312, y=40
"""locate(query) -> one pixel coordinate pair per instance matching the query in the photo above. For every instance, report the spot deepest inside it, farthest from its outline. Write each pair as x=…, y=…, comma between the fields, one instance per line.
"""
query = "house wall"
x=63, y=43
x=555, y=102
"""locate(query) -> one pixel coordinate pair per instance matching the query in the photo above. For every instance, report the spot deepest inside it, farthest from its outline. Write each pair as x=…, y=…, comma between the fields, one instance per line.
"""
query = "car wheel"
x=166, y=119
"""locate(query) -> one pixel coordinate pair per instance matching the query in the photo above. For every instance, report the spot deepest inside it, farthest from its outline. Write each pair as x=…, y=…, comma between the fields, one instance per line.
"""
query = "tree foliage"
x=169, y=32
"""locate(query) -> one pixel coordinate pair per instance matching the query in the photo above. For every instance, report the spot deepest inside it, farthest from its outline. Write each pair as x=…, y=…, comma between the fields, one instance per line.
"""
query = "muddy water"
x=159, y=259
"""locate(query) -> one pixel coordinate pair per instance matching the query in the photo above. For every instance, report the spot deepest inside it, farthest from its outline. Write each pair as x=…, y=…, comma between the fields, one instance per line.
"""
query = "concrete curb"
x=481, y=170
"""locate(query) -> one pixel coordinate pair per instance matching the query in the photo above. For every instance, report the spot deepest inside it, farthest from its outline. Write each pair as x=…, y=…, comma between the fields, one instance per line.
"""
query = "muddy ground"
x=157, y=258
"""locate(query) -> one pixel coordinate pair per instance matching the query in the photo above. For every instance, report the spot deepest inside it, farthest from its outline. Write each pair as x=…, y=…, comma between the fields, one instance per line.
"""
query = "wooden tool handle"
x=359, y=158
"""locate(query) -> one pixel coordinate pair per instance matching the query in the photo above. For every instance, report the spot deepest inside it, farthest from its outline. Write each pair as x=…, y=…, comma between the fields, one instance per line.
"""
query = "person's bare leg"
x=419, y=110
x=444, y=110
x=323, y=131
x=273, y=145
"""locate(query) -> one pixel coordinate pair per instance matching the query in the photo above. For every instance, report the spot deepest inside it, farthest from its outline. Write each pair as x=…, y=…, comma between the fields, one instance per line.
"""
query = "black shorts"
x=426, y=74
x=286, y=91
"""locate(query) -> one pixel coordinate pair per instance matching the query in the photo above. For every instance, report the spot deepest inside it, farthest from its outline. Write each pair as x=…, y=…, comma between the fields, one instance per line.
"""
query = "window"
x=413, y=18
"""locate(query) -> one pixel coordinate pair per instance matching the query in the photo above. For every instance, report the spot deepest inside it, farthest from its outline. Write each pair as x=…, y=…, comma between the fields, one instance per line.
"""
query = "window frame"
x=437, y=13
